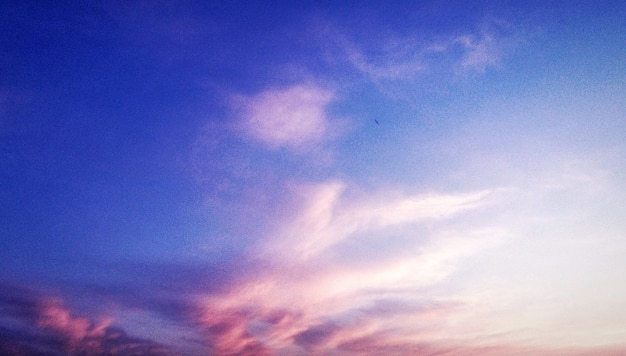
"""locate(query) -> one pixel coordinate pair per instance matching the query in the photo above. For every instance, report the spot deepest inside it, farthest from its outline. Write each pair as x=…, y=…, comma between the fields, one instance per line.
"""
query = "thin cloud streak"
x=316, y=287
x=477, y=52
x=326, y=219
x=403, y=59
x=480, y=53
x=391, y=67
x=304, y=299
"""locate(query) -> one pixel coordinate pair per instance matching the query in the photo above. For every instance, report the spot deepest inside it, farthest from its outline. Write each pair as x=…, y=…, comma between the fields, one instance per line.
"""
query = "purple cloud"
x=316, y=335
x=36, y=323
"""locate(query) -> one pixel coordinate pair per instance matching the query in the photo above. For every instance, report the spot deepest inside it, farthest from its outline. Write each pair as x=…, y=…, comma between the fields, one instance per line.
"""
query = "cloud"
x=393, y=59
x=294, y=118
x=300, y=297
x=268, y=139
x=35, y=323
x=401, y=59
x=404, y=66
x=471, y=52
x=480, y=52
x=327, y=220
x=80, y=333
x=397, y=62
x=349, y=272
x=316, y=335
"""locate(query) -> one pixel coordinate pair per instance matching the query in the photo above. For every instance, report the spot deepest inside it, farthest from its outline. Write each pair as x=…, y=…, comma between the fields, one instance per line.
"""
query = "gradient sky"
x=272, y=178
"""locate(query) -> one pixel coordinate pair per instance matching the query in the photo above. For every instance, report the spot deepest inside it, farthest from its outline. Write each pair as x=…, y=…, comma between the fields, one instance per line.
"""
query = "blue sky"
x=279, y=178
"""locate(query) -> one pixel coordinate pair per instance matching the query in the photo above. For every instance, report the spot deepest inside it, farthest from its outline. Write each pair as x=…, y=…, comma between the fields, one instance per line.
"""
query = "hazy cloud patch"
x=294, y=118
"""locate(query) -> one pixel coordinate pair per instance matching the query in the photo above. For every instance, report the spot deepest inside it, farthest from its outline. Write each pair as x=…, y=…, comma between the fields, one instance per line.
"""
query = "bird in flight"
x=376, y=121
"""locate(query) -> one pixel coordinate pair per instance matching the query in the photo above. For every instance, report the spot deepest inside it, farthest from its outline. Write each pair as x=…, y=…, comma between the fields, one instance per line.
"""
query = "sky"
x=313, y=178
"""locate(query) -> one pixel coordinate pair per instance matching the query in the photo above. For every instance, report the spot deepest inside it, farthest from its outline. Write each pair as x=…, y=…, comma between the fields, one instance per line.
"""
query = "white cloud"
x=301, y=288
x=470, y=52
x=480, y=53
x=294, y=118
x=327, y=218
x=403, y=58
x=472, y=260
x=391, y=65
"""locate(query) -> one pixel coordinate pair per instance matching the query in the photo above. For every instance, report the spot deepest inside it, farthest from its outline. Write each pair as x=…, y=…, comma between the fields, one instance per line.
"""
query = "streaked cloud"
x=402, y=59
x=471, y=52
x=395, y=62
x=396, y=59
x=326, y=219
x=300, y=297
x=363, y=273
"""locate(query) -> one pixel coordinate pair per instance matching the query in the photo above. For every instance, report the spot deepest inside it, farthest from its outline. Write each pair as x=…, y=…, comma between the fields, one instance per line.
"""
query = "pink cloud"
x=397, y=58
x=80, y=333
x=300, y=298
x=33, y=323
x=327, y=219
x=318, y=285
x=294, y=118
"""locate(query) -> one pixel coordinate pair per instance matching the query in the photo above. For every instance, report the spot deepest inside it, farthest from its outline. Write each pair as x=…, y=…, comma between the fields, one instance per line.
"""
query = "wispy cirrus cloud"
x=395, y=59
x=395, y=62
x=480, y=53
x=367, y=273
x=471, y=52
x=402, y=59
x=326, y=219
x=301, y=298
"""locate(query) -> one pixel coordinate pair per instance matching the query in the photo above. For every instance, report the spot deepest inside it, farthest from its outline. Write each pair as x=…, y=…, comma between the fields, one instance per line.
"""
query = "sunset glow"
x=278, y=178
